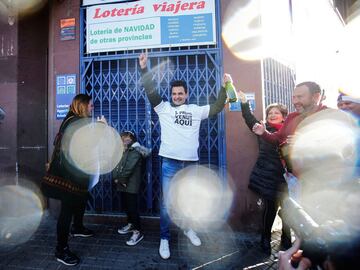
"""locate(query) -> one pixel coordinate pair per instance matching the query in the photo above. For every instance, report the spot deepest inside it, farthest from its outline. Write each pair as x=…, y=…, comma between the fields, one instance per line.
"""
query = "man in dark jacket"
x=306, y=99
x=127, y=176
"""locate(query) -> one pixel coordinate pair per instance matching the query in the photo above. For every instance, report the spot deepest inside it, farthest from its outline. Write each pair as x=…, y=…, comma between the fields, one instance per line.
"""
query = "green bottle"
x=230, y=92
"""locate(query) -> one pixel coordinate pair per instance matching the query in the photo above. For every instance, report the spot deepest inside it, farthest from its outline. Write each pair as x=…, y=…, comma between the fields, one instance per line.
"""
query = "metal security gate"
x=113, y=81
x=278, y=82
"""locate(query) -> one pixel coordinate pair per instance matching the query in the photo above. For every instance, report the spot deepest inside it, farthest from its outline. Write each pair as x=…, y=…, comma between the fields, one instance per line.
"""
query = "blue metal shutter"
x=113, y=81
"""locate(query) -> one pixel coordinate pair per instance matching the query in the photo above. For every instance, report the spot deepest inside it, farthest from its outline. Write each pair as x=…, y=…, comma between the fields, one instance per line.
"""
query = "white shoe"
x=164, y=250
x=135, y=238
x=194, y=239
x=129, y=228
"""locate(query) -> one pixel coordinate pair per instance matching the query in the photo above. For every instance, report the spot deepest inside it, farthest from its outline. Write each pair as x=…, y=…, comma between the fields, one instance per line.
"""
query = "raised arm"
x=149, y=85
x=258, y=127
x=273, y=138
x=249, y=118
x=219, y=104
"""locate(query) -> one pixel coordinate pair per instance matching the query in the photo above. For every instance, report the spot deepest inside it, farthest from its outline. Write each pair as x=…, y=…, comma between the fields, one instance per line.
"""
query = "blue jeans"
x=294, y=186
x=169, y=168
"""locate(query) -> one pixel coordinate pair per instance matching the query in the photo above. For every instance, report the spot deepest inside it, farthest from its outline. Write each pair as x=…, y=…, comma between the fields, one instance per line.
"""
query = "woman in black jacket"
x=68, y=184
x=266, y=178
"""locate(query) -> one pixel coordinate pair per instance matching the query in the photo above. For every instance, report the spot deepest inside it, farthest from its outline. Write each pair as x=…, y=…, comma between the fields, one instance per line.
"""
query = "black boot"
x=265, y=245
x=285, y=242
x=65, y=256
x=81, y=232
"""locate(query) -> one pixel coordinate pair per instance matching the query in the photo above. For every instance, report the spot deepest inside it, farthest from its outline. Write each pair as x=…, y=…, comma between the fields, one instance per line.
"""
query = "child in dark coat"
x=127, y=177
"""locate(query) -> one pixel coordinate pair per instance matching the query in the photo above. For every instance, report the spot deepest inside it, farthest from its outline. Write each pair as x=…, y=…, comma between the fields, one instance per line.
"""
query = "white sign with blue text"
x=150, y=24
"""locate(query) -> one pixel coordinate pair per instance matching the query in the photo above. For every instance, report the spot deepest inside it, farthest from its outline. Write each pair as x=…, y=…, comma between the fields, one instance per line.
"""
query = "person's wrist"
x=242, y=98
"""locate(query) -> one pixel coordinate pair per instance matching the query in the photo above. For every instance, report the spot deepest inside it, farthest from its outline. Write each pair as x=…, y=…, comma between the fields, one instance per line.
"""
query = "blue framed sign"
x=65, y=92
x=149, y=24
x=236, y=106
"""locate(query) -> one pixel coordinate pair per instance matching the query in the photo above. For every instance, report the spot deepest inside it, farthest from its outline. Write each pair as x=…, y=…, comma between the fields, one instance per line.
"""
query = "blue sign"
x=65, y=92
x=236, y=106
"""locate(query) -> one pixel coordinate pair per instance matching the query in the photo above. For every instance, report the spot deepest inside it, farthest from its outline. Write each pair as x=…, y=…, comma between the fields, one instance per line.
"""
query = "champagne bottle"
x=230, y=91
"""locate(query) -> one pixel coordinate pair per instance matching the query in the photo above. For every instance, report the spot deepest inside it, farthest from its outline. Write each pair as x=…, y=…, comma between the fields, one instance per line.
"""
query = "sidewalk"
x=222, y=250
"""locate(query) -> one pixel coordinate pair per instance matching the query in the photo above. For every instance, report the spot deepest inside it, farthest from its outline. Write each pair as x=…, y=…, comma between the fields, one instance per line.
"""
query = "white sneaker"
x=129, y=228
x=135, y=238
x=164, y=250
x=194, y=239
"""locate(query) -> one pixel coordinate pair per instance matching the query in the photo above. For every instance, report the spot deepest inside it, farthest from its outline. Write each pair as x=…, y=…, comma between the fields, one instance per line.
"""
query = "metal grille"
x=113, y=80
x=8, y=40
x=279, y=82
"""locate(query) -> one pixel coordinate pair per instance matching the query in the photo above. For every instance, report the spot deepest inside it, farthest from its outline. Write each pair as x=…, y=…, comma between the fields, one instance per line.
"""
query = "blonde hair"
x=79, y=105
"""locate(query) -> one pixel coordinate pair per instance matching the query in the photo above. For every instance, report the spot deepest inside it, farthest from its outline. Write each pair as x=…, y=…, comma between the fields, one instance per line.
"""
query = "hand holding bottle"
x=227, y=78
x=230, y=88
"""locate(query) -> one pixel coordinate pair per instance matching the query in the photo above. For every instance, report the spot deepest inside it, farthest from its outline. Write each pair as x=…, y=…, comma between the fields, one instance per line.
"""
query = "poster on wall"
x=65, y=92
x=236, y=106
x=67, y=29
x=149, y=24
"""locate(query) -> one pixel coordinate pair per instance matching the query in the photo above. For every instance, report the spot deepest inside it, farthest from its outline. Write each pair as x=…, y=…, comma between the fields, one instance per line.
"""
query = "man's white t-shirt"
x=180, y=128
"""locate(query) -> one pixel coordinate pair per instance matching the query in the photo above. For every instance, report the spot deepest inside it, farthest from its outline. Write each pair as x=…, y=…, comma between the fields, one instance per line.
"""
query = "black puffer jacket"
x=266, y=178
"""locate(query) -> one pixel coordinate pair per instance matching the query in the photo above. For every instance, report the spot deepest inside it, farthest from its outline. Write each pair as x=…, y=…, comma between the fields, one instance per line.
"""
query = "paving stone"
x=223, y=250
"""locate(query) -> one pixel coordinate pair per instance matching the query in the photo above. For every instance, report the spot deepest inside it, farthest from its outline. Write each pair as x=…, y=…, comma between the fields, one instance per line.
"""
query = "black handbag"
x=59, y=188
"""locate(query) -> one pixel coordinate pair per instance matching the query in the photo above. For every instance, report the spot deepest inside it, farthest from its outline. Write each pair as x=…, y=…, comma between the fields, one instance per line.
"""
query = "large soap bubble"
x=198, y=199
x=94, y=148
x=21, y=211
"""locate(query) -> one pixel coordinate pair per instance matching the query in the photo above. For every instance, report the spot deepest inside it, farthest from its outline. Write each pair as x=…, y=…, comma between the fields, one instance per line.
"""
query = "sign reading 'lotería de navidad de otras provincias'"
x=149, y=24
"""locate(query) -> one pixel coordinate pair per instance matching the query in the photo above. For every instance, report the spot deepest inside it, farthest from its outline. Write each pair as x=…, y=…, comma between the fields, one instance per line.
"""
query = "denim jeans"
x=169, y=168
x=294, y=186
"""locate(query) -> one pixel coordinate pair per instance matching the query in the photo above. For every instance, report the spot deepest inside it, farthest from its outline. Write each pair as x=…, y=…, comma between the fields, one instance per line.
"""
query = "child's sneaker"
x=135, y=238
x=126, y=229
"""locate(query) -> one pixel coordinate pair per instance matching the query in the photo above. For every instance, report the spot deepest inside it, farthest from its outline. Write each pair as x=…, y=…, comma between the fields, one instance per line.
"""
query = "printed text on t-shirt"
x=183, y=118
